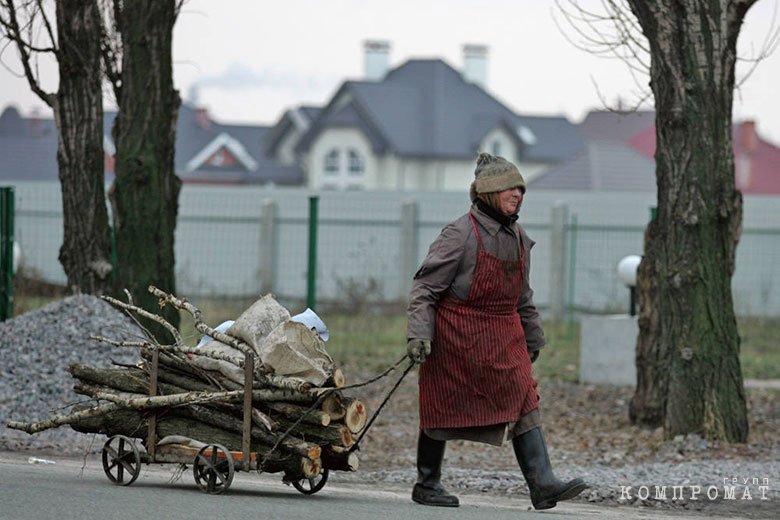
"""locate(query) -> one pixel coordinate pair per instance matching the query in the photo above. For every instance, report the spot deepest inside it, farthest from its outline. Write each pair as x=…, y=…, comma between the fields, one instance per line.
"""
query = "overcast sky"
x=253, y=59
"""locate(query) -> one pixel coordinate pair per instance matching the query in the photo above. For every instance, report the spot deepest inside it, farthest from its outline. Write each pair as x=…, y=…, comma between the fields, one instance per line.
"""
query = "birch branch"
x=176, y=349
x=141, y=402
x=199, y=324
x=59, y=420
x=146, y=314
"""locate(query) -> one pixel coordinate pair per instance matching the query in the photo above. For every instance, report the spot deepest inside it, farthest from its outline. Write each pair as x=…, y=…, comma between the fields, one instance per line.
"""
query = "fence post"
x=267, y=246
x=311, y=274
x=6, y=253
x=558, y=221
x=572, y=271
x=408, y=253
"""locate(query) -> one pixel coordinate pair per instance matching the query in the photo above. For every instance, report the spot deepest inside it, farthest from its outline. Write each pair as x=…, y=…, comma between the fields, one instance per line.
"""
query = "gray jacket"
x=449, y=269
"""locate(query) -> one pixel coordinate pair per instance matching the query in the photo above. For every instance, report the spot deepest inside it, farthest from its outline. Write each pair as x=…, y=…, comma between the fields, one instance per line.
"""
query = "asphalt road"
x=65, y=491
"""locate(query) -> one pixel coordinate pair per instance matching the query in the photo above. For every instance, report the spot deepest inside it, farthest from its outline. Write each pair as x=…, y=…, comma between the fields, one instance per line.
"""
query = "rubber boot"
x=428, y=489
x=546, y=489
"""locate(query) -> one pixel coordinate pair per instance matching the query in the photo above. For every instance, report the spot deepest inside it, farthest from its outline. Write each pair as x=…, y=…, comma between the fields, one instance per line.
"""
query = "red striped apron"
x=479, y=370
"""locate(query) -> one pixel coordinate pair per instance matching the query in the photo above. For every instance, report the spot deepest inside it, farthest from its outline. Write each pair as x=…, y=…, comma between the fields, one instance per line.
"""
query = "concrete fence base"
x=607, y=349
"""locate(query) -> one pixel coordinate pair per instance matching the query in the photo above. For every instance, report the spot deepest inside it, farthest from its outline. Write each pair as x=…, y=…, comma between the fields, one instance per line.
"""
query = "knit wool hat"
x=494, y=173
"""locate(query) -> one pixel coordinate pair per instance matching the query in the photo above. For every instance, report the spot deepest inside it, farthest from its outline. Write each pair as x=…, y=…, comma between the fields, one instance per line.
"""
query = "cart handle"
x=408, y=369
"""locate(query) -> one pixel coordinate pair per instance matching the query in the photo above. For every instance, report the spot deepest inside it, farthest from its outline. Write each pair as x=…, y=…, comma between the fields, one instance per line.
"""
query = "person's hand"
x=534, y=355
x=418, y=349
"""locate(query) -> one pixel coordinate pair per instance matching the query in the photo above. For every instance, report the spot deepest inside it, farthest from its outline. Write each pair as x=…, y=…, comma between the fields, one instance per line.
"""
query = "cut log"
x=337, y=434
x=128, y=380
x=233, y=424
x=356, y=415
x=182, y=366
x=295, y=412
x=189, y=383
x=333, y=406
x=337, y=379
x=339, y=459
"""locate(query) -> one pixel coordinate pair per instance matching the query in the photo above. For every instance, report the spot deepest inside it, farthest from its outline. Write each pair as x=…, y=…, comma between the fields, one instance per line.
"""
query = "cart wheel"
x=309, y=486
x=214, y=470
x=121, y=460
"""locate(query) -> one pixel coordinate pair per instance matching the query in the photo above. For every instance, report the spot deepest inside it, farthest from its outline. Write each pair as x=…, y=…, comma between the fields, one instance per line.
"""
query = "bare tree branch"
x=13, y=31
x=148, y=315
x=769, y=46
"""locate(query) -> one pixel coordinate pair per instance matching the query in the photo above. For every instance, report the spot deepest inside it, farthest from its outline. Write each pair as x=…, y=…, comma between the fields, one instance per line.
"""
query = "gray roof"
x=615, y=126
x=424, y=108
x=28, y=149
x=293, y=118
x=28, y=158
x=603, y=166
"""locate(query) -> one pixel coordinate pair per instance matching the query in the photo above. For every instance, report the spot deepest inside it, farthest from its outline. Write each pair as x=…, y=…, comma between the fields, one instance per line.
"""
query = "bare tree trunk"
x=78, y=110
x=78, y=113
x=689, y=375
x=145, y=193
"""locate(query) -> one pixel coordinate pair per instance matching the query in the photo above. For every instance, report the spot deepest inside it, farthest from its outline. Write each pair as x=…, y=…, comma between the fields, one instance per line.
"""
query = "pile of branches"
x=297, y=426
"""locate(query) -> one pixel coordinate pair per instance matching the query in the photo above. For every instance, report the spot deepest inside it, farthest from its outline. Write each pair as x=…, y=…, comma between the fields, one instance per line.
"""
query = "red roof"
x=756, y=161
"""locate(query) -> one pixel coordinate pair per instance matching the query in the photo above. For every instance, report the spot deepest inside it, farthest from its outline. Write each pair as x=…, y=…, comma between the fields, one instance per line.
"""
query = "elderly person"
x=473, y=325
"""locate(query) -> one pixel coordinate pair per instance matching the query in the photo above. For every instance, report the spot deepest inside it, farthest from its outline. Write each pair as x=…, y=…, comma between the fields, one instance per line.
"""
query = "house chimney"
x=748, y=138
x=35, y=121
x=475, y=59
x=193, y=94
x=202, y=117
x=376, y=56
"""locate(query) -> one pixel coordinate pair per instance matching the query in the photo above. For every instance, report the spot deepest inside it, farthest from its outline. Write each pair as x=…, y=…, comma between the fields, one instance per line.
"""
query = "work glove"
x=534, y=355
x=418, y=349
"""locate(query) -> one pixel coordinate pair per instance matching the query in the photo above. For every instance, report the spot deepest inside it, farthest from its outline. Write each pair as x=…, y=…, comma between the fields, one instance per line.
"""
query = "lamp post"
x=626, y=271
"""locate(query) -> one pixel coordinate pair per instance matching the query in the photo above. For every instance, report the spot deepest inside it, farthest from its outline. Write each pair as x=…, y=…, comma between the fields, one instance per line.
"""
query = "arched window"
x=356, y=164
x=332, y=162
x=343, y=169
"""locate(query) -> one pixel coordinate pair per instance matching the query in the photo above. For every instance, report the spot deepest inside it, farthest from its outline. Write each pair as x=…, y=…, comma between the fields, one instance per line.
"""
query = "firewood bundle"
x=301, y=422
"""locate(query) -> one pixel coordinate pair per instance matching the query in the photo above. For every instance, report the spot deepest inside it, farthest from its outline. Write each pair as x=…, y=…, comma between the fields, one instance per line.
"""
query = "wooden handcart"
x=213, y=465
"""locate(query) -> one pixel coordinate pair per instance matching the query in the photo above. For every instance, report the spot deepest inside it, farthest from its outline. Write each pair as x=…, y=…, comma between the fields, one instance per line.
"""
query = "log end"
x=346, y=437
x=338, y=379
x=356, y=416
x=333, y=406
x=312, y=467
x=340, y=459
x=314, y=453
x=353, y=462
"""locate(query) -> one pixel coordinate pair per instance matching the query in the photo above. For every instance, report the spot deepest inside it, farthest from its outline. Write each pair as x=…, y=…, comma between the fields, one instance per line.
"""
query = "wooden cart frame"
x=213, y=465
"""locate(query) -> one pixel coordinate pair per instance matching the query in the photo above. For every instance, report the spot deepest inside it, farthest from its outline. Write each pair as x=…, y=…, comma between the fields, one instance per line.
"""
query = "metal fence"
x=6, y=252
x=246, y=241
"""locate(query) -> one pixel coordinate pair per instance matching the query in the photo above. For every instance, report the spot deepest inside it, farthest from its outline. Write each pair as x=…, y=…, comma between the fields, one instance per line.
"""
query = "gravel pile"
x=37, y=348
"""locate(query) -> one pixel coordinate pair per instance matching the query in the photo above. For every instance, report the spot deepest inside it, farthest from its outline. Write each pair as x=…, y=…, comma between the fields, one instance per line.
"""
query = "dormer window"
x=496, y=147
